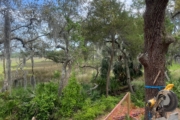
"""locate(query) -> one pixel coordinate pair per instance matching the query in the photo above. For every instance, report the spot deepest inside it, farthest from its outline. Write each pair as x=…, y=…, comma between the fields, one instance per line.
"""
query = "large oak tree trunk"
x=155, y=48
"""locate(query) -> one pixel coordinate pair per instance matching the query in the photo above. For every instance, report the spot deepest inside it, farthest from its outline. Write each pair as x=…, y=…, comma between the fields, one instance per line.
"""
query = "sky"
x=127, y=2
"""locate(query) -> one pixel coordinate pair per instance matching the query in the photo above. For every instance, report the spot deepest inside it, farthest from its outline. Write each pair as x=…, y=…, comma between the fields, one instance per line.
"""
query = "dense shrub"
x=12, y=106
x=114, y=86
x=72, y=98
x=24, y=104
x=91, y=110
x=104, y=67
x=119, y=70
x=138, y=98
x=56, y=74
x=45, y=102
x=101, y=85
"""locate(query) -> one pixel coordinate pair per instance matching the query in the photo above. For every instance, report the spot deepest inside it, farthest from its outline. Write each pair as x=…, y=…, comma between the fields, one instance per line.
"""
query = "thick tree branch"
x=19, y=39
x=36, y=38
x=27, y=25
x=60, y=46
x=96, y=68
x=169, y=39
x=143, y=59
x=175, y=14
x=25, y=42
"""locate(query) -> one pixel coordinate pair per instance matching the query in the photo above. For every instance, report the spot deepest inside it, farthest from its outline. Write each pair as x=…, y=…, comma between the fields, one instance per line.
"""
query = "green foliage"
x=120, y=72
x=43, y=105
x=55, y=56
x=13, y=105
x=174, y=67
x=91, y=110
x=101, y=85
x=138, y=98
x=56, y=74
x=104, y=67
x=101, y=81
x=72, y=98
x=169, y=26
x=173, y=71
x=135, y=36
x=24, y=104
x=177, y=5
x=116, y=20
x=114, y=86
x=176, y=88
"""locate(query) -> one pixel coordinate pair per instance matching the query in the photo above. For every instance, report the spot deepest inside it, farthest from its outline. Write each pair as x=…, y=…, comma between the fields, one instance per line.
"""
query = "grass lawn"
x=43, y=68
x=174, y=71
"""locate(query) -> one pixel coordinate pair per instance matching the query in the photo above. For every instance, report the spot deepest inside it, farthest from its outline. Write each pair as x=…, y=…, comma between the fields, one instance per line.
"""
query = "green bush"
x=56, y=74
x=176, y=88
x=45, y=103
x=101, y=85
x=115, y=85
x=91, y=110
x=12, y=106
x=24, y=104
x=72, y=98
x=104, y=67
x=138, y=98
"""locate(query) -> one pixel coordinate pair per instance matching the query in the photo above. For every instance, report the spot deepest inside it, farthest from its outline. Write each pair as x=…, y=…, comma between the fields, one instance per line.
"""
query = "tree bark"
x=67, y=67
x=65, y=74
x=4, y=65
x=7, y=30
x=110, y=64
x=33, y=80
x=128, y=73
x=155, y=46
x=125, y=57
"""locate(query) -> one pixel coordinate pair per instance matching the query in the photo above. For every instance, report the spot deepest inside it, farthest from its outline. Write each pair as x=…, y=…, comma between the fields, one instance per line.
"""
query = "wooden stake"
x=129, y=102
x=156, y=77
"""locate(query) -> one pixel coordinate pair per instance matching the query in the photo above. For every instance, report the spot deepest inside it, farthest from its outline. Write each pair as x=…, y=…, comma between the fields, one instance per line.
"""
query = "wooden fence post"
x=129, y=102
